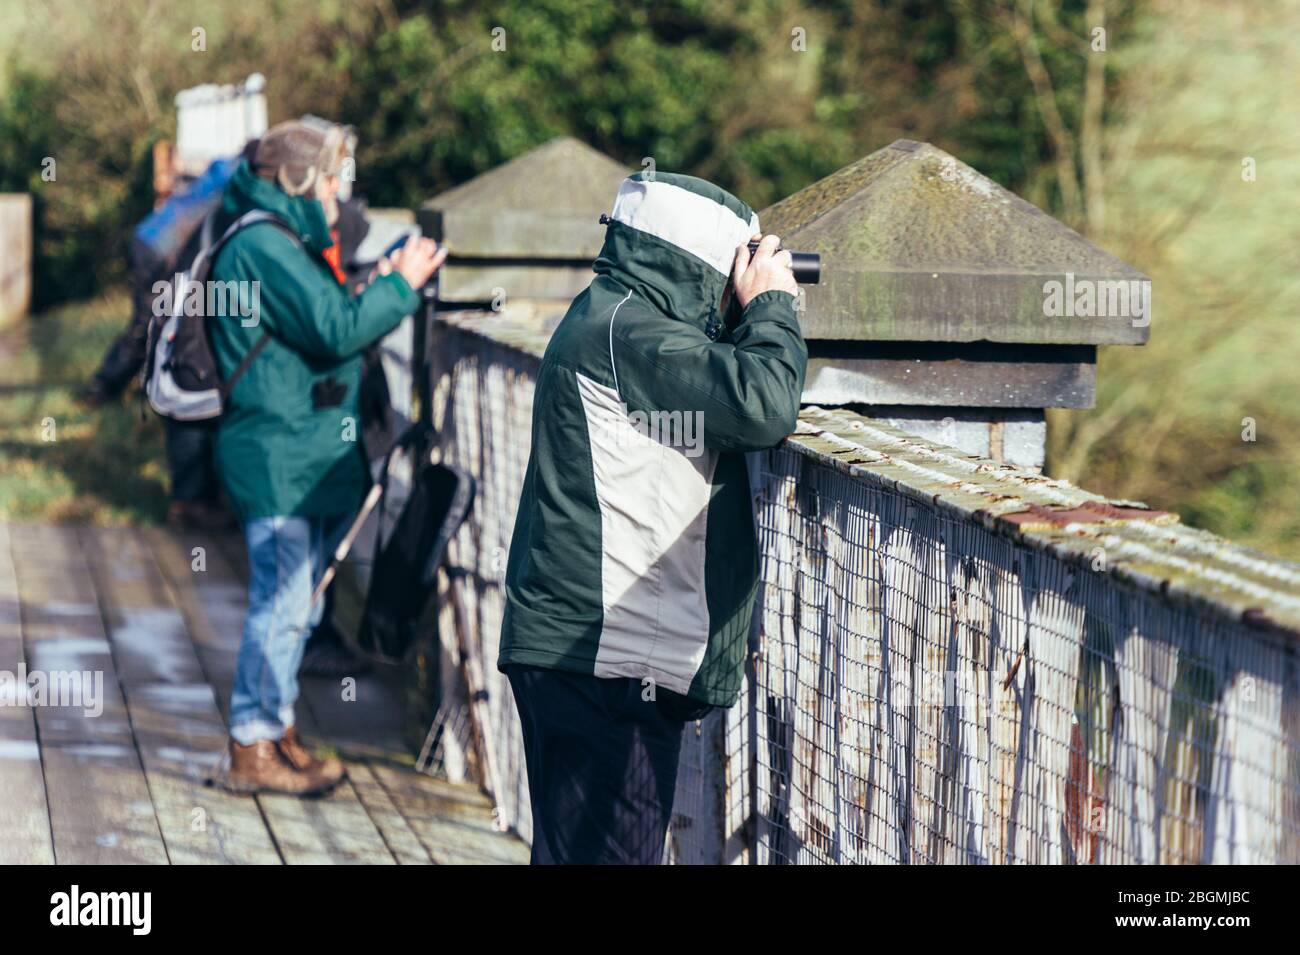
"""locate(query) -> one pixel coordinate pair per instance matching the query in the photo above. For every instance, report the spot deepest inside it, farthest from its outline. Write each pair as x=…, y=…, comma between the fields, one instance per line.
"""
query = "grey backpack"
x=181, y=380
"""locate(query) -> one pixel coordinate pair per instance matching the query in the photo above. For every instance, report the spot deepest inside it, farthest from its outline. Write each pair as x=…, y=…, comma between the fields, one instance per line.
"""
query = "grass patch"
x=61, y=462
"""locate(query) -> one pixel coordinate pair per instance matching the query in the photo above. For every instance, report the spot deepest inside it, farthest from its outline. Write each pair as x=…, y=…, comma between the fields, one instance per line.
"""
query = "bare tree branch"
x=1020, y=22
x=1091, y=133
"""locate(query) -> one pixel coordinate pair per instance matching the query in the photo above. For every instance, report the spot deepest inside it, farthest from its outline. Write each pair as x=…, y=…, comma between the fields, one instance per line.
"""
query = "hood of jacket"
x=673, y=239
x=247, y=191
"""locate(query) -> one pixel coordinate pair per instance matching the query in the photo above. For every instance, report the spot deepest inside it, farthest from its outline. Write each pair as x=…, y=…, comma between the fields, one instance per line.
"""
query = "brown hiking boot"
x=261, y=768
x=304, y=760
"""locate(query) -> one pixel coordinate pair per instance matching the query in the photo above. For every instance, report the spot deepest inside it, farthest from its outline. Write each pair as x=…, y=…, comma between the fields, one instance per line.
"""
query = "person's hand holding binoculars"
x=415, y=261
x=769, y=270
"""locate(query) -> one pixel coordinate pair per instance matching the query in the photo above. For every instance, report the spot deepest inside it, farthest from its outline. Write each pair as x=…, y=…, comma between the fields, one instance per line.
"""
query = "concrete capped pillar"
x=949, y=306
x=530, y=227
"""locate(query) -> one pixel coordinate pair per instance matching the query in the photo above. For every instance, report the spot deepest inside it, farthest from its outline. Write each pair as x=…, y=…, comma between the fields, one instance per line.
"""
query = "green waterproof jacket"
x=279, y=451
x=634, y=551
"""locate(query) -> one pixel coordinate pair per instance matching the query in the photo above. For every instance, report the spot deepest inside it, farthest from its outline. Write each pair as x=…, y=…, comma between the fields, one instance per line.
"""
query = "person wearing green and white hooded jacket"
x=633, y=567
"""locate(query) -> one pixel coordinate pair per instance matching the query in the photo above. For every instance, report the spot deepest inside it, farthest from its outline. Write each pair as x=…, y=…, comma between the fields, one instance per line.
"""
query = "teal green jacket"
x=277, y=453
x=634, y=551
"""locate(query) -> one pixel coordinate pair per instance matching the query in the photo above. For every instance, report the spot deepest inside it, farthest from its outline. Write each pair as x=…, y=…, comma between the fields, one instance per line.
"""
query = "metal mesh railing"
x=928, y=691
x=485, y=400
x=922, y=687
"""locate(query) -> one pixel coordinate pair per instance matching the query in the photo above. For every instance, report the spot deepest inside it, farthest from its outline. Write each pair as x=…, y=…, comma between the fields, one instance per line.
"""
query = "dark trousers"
x=602, y=766
x=126, y=356
x=190, y=444
x=190, y=449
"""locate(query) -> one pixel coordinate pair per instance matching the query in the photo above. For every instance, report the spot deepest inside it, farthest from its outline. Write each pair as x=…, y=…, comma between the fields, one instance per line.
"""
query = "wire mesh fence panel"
x=483, y=403
x=931, y=692
x=923, y=687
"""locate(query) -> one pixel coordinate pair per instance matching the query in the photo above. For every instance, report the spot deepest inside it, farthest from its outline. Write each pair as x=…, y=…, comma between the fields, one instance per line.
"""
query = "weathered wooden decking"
x=128, y=785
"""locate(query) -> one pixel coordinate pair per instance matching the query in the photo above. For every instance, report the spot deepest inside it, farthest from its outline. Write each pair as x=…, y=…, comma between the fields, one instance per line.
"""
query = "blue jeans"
x=286, y=557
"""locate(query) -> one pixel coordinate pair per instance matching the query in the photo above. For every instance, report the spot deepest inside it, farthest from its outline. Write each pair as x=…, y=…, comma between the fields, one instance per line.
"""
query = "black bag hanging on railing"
x=403, y=575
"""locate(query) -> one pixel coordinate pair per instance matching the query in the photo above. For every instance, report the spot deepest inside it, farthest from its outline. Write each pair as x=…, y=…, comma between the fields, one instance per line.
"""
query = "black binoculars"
x=807, y=266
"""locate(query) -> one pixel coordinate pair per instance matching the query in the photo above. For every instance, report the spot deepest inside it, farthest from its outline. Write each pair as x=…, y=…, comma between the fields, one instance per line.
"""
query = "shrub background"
x=1139, y=147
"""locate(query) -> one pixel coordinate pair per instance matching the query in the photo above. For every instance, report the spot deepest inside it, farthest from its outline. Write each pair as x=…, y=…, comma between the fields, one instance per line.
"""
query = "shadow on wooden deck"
x=127, y=784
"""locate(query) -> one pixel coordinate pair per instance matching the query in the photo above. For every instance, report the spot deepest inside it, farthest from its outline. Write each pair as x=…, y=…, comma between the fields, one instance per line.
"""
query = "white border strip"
x=696, y=224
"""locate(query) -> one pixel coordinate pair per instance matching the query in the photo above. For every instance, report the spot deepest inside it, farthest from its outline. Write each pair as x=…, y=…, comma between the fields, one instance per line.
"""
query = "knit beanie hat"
x=295, y=154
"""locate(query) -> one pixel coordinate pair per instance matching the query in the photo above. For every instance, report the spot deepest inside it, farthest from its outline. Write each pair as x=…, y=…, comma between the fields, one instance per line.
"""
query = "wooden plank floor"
x=121, y=775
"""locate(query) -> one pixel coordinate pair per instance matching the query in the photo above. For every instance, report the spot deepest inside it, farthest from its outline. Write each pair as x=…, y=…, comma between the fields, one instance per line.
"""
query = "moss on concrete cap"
x=545, y=204
x=918, y=246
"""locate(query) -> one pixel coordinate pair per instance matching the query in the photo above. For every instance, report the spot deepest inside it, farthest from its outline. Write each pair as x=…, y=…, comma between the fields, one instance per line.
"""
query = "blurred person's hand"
x=383, y=267
x=768, y=271
x=94, y=395
x=416, y=261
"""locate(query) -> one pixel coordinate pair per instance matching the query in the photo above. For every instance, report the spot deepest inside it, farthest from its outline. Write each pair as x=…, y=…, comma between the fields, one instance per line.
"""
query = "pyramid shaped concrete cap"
x=918, y=246
x=545, y=204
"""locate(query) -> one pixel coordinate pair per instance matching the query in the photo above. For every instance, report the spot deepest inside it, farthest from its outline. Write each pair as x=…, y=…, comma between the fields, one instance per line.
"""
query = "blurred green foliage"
x=764, y=97
x=1202, y=192
x=761, y=96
